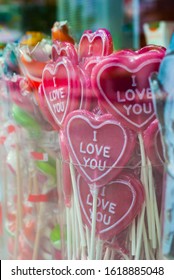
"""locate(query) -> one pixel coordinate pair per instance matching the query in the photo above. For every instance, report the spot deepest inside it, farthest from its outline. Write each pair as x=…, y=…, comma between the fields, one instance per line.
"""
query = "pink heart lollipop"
x=118, y=203
x=85, y=89
x=64, y=49
x=87, y=67
x=98, y=145
x=61, y=87
x=153, y=146
x=44, y=108
x=98, y=43
x=121, y=82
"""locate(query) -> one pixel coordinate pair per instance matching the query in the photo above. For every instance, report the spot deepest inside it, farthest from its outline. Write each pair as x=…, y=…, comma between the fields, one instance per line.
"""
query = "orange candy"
x=60, y=32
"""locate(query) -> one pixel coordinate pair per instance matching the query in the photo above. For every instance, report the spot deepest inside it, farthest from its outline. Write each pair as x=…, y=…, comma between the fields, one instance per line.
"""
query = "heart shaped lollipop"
x=153, y=145
x=98, y=43
x=44, y=108
x=118, y=203
x=121, y=82
x=99, y=145
x=61, y=88
x=87, y=66
x=64, y=49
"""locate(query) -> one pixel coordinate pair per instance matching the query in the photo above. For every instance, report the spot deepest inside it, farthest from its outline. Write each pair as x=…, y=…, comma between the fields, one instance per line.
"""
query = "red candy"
x=121, y=82
x=153, y=146
x=98, y=43
x=118, y=203
x=99, y=145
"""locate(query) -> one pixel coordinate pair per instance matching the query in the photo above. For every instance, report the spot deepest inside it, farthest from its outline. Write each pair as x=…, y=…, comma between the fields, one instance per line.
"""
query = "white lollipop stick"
x=145, y=183
x=77, y=247
x=19, y=215
x=94, y=192
x=99, y=249
x=78, y=212
x=157, y=219
x=146, y=245
x=151, y=195
x=60, y=204
x=69, y=242
x=88, y=238
x=139, y=233
x=107, y=254
x=133, y=238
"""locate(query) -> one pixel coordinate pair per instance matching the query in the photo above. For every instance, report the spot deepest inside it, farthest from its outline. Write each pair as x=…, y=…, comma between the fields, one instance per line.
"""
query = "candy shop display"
x=85, y=171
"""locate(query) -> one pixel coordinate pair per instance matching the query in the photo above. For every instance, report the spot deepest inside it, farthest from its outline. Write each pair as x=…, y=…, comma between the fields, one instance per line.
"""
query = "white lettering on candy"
x=107, y=208
x=57, y=95
x=134, y=95
x=133, y=81
x=99, y=153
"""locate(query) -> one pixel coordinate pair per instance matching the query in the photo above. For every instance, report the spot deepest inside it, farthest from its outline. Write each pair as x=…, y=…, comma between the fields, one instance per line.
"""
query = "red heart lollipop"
x=98, y=145
x=64, y=49
x=61, y=88
x=121, y=82
x=118, y=203
x=153, y=146
x=98, y=43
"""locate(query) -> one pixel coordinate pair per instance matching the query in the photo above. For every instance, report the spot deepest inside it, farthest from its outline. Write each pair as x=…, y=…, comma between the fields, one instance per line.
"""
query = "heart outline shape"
x=64, y=49
x=135, y=188
x=89, y=36
x=72, y=86
x=111, y=106
x=87, y=119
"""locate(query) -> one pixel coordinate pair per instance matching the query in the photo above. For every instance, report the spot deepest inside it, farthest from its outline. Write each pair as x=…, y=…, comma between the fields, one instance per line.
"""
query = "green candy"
x=55, y=237
x=27, y=121
x=46, y=168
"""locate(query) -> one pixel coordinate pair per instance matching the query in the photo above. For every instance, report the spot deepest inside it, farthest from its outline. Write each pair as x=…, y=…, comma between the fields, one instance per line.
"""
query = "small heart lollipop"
x=98, y=43
x=64, y=49
x=118, y=203
x=61, y=87
x=44, y=108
